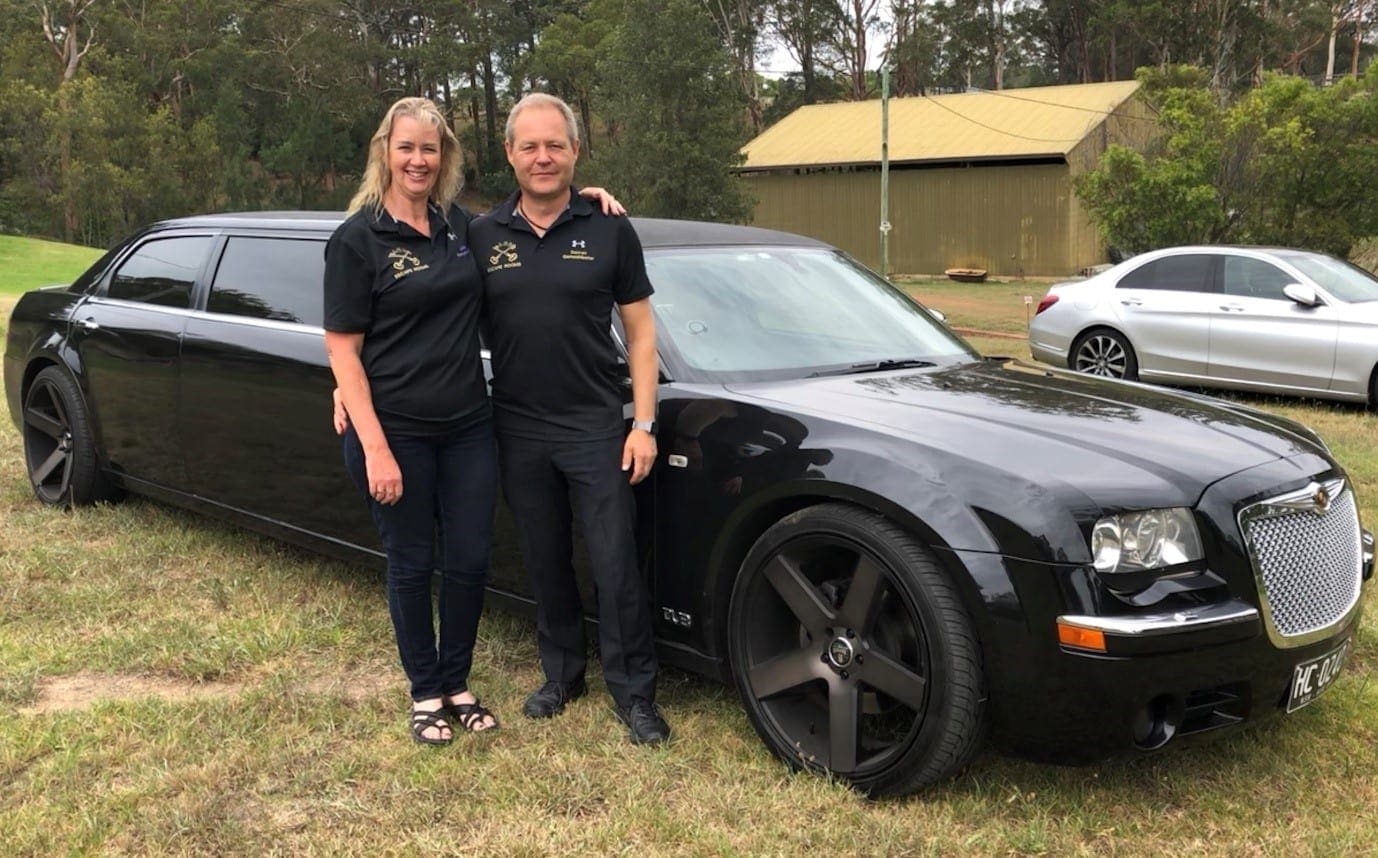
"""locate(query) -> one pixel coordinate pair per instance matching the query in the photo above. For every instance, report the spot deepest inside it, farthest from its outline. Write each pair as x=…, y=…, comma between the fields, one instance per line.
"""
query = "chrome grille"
x=1307, y=560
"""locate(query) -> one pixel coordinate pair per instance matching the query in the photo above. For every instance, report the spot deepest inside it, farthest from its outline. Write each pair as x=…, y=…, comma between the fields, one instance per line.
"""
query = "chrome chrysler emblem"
x=1321, y=499
x=840, y=652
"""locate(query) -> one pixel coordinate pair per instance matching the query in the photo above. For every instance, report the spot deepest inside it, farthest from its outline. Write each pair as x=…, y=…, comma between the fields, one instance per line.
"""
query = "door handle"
x=89, y=325
x=1232, y=308
x=1131, y=302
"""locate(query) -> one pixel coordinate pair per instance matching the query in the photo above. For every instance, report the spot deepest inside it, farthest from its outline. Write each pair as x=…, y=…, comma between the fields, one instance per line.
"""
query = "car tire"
x=853, y=653
x=1105, y=353
x=59, y=444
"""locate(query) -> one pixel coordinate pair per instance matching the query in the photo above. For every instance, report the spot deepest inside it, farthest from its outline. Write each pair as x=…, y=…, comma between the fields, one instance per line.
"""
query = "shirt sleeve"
x=348, y=287
x=632, y=283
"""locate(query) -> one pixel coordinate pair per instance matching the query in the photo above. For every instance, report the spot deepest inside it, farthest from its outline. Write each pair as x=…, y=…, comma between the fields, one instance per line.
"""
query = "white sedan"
x=1249, y=318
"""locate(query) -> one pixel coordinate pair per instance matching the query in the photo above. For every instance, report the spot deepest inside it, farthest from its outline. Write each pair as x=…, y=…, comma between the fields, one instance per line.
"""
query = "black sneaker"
x=549, y=700
x=647, y=726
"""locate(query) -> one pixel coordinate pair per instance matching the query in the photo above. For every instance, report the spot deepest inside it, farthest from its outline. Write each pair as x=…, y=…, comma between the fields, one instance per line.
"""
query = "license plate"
x=1315, y=675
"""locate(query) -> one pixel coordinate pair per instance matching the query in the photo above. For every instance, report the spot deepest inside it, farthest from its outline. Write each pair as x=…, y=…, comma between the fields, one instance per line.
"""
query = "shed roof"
x=1044, y=121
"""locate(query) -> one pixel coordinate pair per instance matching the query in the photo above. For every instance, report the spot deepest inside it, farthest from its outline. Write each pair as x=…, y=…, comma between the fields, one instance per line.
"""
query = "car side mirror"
x=937, y=314
x=1303, y=295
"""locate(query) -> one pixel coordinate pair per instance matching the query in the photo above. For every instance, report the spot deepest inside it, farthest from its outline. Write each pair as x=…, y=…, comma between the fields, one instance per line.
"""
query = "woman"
x=402, y=298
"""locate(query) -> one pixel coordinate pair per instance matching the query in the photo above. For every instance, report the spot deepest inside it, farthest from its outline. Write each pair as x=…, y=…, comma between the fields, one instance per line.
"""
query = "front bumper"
x=1161, y=674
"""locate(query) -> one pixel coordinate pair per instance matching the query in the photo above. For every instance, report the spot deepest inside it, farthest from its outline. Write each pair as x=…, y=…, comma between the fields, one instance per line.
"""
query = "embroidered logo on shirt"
x=405, y=262
x=577, y=251
x=504, y=256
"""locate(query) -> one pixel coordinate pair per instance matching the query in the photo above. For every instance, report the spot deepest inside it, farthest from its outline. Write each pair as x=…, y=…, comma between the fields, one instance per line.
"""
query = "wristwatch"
x=645, y=425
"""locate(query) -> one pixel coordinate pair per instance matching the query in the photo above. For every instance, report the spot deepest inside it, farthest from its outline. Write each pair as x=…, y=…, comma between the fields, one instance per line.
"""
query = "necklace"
x=542, y=228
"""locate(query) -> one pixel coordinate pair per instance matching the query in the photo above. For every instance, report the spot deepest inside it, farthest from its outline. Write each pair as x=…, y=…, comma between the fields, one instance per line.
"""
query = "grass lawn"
x=26, y=263
x=169, y=684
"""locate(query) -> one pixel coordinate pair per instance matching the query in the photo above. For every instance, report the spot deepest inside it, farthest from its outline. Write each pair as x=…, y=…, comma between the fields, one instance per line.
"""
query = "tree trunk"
x=1335, y=23
x=1360, y=17
x=585, y=115
x=490, y=103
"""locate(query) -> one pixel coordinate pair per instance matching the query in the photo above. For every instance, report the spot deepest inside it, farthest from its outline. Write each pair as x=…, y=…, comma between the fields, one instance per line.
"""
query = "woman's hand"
x=608, y=202
x=384, y=477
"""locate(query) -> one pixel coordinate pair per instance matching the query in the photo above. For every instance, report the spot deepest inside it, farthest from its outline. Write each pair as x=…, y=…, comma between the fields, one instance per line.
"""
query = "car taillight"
x=1048, y=300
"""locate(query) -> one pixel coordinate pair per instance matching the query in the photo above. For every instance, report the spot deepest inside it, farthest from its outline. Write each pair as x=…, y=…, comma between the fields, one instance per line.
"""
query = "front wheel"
x=1105, y=353
x=59, y=444
x=853, y=653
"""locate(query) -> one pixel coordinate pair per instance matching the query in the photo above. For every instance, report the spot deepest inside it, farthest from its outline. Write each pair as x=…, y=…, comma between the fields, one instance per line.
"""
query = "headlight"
x=1141, y=541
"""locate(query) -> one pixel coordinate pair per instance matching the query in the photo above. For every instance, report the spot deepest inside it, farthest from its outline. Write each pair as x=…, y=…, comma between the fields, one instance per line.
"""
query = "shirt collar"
x=506, y=210
x=382, y=220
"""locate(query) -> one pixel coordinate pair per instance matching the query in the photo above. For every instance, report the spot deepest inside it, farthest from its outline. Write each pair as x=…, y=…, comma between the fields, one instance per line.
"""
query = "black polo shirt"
x=548, y=303
x=416, y=300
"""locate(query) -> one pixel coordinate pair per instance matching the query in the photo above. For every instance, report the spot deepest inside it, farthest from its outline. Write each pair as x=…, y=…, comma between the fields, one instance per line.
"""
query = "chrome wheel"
x=1106, y=354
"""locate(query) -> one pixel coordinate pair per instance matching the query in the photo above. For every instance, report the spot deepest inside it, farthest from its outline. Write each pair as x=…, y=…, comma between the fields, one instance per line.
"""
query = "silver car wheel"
x=1102, y=354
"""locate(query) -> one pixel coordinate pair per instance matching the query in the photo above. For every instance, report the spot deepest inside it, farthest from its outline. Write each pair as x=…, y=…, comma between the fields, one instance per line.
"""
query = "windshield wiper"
x=874, y=366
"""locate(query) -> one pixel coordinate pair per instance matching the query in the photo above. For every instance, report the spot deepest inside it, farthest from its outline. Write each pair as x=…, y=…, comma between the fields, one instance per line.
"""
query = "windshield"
x=746, y=314
x=1345, y=281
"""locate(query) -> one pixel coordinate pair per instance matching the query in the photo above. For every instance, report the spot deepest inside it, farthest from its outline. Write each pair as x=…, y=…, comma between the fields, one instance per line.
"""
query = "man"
x=554, y=268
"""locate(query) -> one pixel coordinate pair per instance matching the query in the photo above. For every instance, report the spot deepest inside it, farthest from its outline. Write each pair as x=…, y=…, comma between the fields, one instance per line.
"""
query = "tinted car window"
x=161, y=271
x=1188, y=273
x=270, y=278
x=1254, y=278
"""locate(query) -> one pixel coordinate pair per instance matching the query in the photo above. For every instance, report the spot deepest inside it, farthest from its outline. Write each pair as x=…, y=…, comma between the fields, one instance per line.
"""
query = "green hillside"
x=26, y=263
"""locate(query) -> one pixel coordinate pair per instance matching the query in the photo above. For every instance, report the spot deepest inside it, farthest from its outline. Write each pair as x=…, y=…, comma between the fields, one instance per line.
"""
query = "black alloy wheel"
x=1105, y=353
x=59, y=447
x=853, y=653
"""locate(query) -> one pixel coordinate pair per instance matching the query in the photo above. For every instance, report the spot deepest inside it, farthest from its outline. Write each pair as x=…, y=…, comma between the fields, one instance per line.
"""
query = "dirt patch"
x=80, y=691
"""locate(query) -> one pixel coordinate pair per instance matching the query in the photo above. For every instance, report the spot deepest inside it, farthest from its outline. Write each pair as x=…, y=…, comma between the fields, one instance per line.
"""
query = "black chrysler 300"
x=888, y=544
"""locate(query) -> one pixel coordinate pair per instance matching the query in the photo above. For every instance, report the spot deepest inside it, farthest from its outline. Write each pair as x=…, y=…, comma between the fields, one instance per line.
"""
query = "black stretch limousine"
x=889, y=544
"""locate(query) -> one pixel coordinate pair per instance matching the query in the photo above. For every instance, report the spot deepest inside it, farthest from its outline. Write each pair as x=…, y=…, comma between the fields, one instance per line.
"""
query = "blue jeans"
x=444, y=521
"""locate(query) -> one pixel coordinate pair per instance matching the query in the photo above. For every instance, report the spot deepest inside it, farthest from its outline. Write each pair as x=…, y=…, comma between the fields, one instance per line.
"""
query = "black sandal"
x=426, y=719
x=472, y=716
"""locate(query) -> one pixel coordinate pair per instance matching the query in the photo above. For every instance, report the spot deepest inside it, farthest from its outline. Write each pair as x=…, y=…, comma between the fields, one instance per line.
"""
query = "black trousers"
x=539, y=479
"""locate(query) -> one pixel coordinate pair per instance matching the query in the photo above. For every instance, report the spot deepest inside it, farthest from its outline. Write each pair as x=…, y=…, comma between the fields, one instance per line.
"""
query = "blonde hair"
x=542, y=99
x=377, y=177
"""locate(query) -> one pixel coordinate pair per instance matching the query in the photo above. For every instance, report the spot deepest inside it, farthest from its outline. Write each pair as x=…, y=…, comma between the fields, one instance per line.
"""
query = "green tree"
x=1278, y=165
x=670, y=87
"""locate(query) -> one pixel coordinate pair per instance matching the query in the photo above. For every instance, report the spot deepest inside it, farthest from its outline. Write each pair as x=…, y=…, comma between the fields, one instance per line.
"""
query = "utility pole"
x=885, y=173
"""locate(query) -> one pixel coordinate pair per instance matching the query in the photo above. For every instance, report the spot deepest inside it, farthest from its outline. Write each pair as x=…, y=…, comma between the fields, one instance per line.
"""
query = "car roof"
x=661, y=232
x=272, y=220
x=653, y=232
x=1227, y=248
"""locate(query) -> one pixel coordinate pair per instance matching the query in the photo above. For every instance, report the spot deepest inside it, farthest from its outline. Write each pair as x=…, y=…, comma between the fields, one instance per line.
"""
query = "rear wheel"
x=853, y=653
x=59, y=445
x=1105, y=353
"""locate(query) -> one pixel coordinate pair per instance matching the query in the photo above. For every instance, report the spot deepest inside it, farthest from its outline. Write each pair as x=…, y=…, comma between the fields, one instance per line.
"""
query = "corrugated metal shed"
x=1039, y=122
x=978, y=180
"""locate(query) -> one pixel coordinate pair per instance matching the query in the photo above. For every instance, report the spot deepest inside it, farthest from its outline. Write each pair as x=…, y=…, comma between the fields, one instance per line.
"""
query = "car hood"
x=1117, y=443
